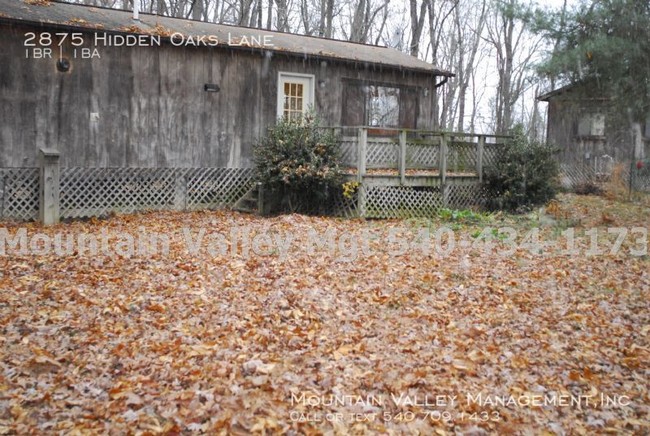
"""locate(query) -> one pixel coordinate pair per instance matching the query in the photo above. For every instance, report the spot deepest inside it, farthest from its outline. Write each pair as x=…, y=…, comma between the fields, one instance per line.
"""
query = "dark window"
x=382, y=106
x=379, y=105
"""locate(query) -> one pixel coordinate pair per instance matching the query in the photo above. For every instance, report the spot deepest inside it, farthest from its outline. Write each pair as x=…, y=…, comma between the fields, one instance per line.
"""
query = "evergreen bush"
x=300, y=163
x=524, y=175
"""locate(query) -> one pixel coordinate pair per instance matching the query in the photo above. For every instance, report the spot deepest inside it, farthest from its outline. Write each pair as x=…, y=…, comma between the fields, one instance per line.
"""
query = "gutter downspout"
x=444, y=80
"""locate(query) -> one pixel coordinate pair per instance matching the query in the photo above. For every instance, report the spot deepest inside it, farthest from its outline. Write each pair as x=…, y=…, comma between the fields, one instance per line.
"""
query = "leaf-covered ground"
x=393, y=341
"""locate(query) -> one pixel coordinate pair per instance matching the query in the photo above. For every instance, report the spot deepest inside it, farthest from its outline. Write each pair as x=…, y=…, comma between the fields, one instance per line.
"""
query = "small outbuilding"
x=581, y=125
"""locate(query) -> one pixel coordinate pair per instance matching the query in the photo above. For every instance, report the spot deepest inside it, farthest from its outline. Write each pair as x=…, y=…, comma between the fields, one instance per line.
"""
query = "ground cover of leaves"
x=393, y=341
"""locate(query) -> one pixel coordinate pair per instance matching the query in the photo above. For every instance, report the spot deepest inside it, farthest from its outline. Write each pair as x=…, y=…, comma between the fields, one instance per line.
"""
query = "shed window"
x=591, y=125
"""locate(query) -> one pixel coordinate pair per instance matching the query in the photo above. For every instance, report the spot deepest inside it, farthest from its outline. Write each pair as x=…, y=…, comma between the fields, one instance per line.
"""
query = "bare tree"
x=469, y=27
x=282, y=20
x=514, y=48
x=417, y=25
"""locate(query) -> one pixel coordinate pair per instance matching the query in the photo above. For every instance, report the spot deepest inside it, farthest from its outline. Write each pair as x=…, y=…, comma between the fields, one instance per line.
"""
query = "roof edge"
x=93, y=29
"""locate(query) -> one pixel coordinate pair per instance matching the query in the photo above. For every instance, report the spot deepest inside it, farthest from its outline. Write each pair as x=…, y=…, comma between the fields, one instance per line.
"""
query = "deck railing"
x=404, y=152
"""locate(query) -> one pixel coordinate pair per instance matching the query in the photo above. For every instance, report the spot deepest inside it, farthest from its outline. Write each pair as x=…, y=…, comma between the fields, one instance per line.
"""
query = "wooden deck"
x=415, y=173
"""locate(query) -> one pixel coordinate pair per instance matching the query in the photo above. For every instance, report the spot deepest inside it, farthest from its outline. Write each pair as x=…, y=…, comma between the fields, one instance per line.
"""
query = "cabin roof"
x=554, y=93
x=91, y=18
x=575, y=91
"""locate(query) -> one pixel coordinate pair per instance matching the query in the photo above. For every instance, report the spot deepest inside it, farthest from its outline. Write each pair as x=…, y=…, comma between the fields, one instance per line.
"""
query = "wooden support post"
x=48, y=193
x=362, y=145
x=361, y=201
x=443, y=168
x=180, y=192
x=261, y=200
x=2, y=195
x=402, y=156
x=480, y=147
x=443, y=157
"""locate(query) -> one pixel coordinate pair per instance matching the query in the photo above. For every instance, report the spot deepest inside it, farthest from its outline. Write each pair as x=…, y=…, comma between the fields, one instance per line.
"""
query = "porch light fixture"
x=426, y=92
x=211, y=87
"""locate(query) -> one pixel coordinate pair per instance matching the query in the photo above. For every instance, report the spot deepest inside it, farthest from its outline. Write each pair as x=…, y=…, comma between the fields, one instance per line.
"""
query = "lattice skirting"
x=97, y=191
x=343, y=206
x=572, y=176
x=87, y=192
x=641, y=183
x=411, y=202
x=19, y=193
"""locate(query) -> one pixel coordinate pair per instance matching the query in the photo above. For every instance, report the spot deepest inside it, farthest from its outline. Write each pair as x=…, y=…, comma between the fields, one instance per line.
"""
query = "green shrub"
x=299, y=162
x=524, y=175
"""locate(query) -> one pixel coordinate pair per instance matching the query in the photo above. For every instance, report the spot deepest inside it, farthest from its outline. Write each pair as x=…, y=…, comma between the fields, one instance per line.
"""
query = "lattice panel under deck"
x=216, y=187
x=402, y=201
x=19, y=193
x=97, y=191
x=343, y=206
x=465, y=196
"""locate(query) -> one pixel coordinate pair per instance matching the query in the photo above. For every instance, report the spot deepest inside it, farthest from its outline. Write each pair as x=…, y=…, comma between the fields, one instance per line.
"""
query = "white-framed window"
x=295, y=94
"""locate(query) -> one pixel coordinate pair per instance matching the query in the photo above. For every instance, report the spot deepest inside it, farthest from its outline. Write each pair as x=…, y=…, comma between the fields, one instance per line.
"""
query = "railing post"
x=48, y=192
x=362, y=145
x=480, y=147
x=402, y=156
x=443, y=168
x=443, y=157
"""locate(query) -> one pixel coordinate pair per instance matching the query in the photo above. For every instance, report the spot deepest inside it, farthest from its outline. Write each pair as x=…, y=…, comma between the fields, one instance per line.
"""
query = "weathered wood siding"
x=564, y=117
x=146, y=106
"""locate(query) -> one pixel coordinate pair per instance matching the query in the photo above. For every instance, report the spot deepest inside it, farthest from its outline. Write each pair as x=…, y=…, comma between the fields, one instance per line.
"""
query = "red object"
x=639, y=165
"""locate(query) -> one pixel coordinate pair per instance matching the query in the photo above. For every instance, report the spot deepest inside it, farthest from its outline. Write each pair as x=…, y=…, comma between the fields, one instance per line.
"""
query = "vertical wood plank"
x=402, y=156
x=362, y=144
x=180, y=191
x=480, y=147
x=444, y=140
x=48, y=193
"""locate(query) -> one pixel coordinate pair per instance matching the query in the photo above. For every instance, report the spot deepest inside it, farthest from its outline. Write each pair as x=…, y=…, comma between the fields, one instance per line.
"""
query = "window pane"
x=299, y=90
x=382, y=106
x=286, y=89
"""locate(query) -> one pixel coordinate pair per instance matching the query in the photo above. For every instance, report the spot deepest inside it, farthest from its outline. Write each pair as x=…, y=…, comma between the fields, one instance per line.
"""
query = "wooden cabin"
x=581, y=125
x=108, y=89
